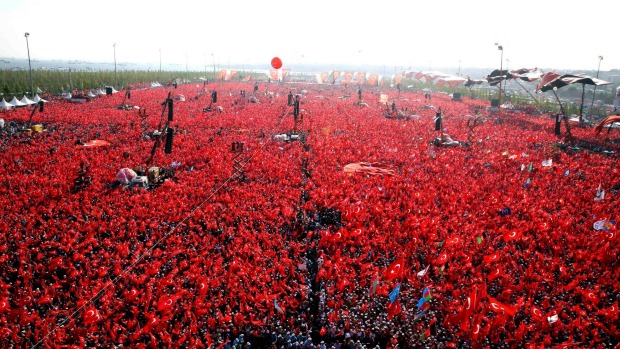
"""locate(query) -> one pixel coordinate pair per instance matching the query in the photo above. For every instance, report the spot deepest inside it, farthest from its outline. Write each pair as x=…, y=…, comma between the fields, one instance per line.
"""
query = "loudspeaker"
x=128, y=95
x=168, y=147
x=456, y=95
x=170, y=109
x=108, y=91
x=41, y=106
x=214, y=96
x=495, y=102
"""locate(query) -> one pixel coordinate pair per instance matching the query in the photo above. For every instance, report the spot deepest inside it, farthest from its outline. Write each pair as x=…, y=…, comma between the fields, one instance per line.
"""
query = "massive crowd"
x=297, y=253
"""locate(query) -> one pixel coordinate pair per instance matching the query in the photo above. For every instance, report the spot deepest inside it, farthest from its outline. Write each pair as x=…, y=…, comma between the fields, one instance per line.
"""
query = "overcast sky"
x=430, y=34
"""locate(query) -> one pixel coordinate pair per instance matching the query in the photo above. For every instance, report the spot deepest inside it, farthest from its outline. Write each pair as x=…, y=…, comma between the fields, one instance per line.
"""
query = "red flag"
x=591, y=296
x=499, y=307
x=611, y=312
x=166, y=304
x=91, y=316
x=491, y=258
x=393, y=309
x=512, y=235
x=453, y=241
x=395, y=270
x=471, y=304
x=496, y=273
x=442, y=259
x=537, y=314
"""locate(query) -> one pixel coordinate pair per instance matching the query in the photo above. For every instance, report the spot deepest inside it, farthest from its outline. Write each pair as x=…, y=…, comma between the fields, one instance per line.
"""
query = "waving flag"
x=442, y=259
x=513, y=235
x=611, y=312
x=605, y=225
x=491, y=258
x=423, y=272
x=373, y=288
x=495, y=274
x=393, y=309
x=426, y=297
x=392, y=296
x=499, y=307
x=275, y=304
x=91, y=316
x=395, y=270
x=600, y=194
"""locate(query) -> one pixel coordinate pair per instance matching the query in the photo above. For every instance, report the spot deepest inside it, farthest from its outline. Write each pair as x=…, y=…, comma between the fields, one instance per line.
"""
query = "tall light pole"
x=459, y=73
x=205, y=65
x=600, y=58
x=115, y=78
x=501, y=73
x=186, y=64
x=159, y=62
x=213, y=57
x=29, y=66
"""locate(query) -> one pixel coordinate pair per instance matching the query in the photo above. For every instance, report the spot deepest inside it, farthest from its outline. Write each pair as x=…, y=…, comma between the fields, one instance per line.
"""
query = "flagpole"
x=526, y=90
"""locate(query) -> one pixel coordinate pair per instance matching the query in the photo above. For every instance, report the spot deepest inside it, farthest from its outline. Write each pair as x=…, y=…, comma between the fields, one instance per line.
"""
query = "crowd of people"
x=487, y=244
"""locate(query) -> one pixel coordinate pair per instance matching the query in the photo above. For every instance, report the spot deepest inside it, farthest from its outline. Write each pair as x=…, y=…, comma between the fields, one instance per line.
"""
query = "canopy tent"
x=113, y=90
x=91, y=95
x=38, y=99
x=471, y=82
x=14, y=102
x=100, y=92
x=26, y=101
x=553, y=81
x=524, y=74
x=4, y=105
x=452, y=81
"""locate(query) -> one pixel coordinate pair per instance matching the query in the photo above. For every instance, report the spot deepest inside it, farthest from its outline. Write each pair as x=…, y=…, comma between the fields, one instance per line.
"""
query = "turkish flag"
x=495, y=273
x=395, y=270
x=471, y=304
x=393, y=309
x=512, y=235
x=491, y=258
x=611, y=312
x=4, y=306
x=442, y=259
x=166, y=304
x=591, y=296
x=499, y=307
x=453, y=241
x=91, y=316
x=537, y=314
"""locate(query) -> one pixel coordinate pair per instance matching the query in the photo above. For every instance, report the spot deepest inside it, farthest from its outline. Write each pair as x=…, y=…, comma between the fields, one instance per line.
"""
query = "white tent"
x=66, y=95
x=100, y=92
x=14, y=102
x=38, y=99
x=5, y=105
x=91, y=95
x=26, y=101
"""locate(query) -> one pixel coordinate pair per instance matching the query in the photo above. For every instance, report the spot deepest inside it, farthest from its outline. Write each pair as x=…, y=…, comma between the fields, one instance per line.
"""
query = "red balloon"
x=276, y=63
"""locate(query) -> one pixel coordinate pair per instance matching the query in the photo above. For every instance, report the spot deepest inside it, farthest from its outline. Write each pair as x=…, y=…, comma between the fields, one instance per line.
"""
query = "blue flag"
x=275, y=304
x=392, y=296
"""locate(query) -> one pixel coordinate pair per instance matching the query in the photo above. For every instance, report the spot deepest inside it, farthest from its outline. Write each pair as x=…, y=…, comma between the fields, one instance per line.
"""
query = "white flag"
x=547, y=163
x=600, y=193
x=421, y=273
x=552, y=319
